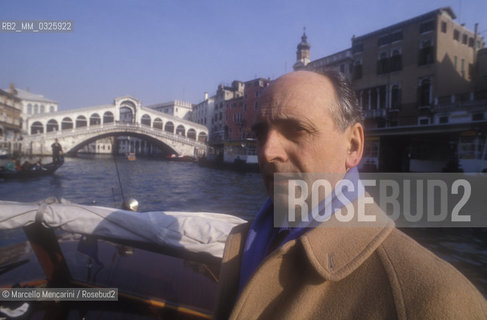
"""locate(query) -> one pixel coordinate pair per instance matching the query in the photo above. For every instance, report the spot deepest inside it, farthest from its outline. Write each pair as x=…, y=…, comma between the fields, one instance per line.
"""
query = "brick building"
x=240, y=112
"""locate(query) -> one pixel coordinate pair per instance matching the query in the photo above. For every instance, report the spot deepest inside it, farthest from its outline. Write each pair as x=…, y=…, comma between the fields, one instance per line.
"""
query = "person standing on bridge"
x=57, y=151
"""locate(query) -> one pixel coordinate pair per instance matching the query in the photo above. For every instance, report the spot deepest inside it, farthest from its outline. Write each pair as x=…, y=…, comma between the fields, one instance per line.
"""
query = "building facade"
x=177, y=108
x=32, y=104
x=203, y=111
x=10, y=121
x=404, y=70
x=422, y=86
x=341, y=62
x=218, y=127
x=240, y=112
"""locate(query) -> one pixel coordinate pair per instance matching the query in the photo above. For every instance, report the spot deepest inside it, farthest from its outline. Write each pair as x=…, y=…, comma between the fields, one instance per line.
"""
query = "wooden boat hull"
x=47, y=169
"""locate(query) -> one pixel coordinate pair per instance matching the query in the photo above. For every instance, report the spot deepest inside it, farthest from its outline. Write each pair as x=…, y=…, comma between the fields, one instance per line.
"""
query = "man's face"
x=295, y=131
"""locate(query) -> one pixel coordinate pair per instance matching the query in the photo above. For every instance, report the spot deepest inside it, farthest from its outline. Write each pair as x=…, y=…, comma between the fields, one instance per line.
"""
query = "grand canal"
x=157, y=185
x=176, y=186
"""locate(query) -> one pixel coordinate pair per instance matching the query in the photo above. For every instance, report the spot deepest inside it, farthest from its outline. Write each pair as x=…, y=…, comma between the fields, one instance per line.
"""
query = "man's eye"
x=295, y=131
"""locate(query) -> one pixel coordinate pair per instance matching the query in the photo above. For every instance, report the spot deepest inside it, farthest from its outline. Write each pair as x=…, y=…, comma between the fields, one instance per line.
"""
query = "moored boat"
x=174, y=157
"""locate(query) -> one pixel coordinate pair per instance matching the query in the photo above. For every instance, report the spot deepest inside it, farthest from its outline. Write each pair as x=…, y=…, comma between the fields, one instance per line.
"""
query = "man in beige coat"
x=311, y=123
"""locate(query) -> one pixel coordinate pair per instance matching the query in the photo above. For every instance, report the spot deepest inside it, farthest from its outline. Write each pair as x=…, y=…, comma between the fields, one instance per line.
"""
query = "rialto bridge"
x=125, y=117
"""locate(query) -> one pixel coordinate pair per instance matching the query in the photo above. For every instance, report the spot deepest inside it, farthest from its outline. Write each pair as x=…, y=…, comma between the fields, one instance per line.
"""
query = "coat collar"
x=335, y=249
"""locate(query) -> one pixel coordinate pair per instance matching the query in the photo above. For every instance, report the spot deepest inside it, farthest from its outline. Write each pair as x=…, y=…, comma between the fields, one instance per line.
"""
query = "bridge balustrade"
x=118, y=125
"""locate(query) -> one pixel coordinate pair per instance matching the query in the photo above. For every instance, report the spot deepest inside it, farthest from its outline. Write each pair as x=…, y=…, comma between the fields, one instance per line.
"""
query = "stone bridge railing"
x=114, y=127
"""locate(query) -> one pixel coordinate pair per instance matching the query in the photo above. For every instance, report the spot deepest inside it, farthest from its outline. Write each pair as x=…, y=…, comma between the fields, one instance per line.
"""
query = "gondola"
x=45, y=170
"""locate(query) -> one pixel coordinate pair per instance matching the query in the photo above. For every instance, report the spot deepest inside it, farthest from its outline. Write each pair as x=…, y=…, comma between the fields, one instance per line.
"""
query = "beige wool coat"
x=347, y=273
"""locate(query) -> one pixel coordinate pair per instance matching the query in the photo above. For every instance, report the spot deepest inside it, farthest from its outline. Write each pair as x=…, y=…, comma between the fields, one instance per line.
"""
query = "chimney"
x=12, y=88
x=206, y=95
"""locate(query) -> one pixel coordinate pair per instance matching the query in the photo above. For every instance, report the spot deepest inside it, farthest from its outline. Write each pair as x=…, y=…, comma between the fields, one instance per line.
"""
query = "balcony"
x=464, y=101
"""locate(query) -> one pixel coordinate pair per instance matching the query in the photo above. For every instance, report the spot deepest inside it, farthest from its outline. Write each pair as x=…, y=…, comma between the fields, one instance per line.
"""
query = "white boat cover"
x=193, y=231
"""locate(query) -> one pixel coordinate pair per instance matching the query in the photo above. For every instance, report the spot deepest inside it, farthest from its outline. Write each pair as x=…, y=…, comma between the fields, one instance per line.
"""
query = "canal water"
x=180, y=186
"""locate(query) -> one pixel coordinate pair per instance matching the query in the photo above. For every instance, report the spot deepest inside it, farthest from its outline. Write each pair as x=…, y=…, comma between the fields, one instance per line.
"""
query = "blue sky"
x=162, y=50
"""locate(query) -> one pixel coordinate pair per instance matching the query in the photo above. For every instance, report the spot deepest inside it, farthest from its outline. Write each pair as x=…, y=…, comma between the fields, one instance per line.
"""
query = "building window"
x=443, y=119
x=36, y=109
x=42, y=108
x=29, y=108
x=427, y=26
x=470, y=42
x=424, y=93
x=443, y=26
x=357, y=47
x=383, y=63
x=478, y=116
x=357, y=70
x=395, y=97
x=51, y=109
x=423, y=121
x=342, y=68
x=456, y=35
x=426, y=52
x=373, y=98
x=464, y=39
x=396, y=60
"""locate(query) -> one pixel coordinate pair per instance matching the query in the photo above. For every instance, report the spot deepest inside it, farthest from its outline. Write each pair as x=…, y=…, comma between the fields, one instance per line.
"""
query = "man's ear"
x=355, y=145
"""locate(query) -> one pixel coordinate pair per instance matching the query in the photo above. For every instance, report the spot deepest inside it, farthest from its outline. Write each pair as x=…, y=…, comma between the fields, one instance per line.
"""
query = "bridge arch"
x=67, y=123
x=191, y=134
x=202, y=136
x=169, y=127
x=145, y=120
x=165, y=148
x=81, y=122
x=36, y=127
x=181, y=130
x=108, y=117
x=128, y=111
x=95, y=119
x=157, y=124
x=52, y=125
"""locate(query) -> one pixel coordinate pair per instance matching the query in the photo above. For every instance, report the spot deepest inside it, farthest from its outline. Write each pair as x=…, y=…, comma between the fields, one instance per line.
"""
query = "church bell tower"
x=302, y=53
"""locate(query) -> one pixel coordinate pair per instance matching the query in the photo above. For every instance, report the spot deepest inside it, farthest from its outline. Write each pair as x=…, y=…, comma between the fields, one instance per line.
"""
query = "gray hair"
x=347, y=111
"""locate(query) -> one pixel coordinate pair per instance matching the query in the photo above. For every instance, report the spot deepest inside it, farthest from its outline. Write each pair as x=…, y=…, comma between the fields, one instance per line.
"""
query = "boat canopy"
x=193, y=231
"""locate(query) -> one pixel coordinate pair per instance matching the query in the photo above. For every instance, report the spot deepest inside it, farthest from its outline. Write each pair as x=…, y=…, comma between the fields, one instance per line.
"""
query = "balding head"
x=344, y=110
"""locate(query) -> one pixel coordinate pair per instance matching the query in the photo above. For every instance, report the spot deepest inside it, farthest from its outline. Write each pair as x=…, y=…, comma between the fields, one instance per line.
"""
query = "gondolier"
x=57, y=151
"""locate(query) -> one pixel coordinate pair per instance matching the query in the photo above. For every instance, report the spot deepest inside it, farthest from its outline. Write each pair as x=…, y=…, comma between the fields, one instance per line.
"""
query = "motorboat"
x=163, y=264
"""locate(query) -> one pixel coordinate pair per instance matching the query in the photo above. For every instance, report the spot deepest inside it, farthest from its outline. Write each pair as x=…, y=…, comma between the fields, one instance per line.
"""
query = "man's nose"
x=272, y=149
